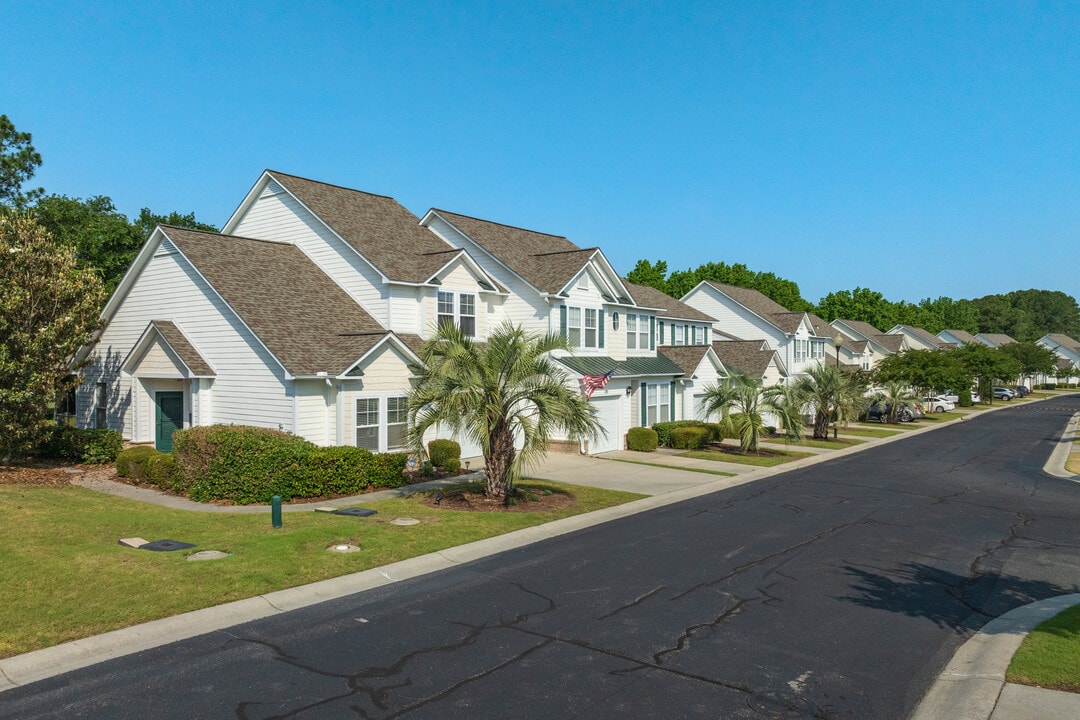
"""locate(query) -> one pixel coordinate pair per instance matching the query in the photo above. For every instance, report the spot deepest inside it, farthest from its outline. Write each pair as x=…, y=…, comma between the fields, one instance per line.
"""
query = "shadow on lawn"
x=945, y=598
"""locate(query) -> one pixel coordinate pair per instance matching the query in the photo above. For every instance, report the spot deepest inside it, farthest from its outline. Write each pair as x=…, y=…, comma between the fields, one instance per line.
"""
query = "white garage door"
x=607, y=411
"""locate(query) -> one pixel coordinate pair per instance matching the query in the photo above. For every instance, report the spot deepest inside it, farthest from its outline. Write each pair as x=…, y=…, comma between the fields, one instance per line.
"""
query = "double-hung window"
x=699, y=335
x=457, y=310
x=637, y=332
x=573, y=327
x=631, y=331
x=658, y=403
x=101, y=412
x=590, y=327
x=367, y=423
x=679, y=333
x=397, y=415
x=817, y=349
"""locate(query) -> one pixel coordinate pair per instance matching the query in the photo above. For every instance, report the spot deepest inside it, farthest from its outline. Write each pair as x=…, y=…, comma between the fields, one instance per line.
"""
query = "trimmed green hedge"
x=714, y=432
x=144, y=465
x=642, y=439
x=440, y=451
x=84, y=445
x=245, y=465
x=689, y=438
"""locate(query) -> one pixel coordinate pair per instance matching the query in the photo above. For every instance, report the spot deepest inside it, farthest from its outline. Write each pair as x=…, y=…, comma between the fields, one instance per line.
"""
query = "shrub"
x=963, y=398
x=1049, y=386
x=92, y=446
x=770, y=429
x=716, y=432
x=130, y=462
x=642, y=439
x=452, y=465
x=689, y=438
x=439, y=451
x=663, y=429
x=427, y=469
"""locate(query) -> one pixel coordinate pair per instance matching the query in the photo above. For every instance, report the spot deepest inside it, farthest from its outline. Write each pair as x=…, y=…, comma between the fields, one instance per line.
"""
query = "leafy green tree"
x=18, y=163
x=101, y=235
x=742, y=403
x=1033, y=359
x=859, y=304
x=49, y=308
x=925, y=371
x=833, y=394
x=652, y=274
x=987, y=365
x=949, y=314
x=494, y=392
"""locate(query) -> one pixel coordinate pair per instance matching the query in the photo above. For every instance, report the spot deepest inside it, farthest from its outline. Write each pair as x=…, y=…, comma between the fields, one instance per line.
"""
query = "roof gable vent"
x=272, y=188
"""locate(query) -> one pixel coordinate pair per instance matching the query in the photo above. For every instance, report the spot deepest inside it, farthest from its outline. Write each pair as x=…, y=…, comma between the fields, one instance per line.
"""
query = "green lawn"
x=939, y=417
x=1073, y=463
x=65, y=577
x=824, y=444
x=673, y=467
x=871, y=432
x=1050, y=655
x=767, y=458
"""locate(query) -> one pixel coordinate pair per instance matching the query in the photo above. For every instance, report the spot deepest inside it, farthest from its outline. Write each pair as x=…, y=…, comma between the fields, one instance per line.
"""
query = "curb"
x=970, y=685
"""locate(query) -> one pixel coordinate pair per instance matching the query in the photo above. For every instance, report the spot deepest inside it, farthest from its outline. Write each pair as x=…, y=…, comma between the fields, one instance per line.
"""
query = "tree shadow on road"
x=945, y=598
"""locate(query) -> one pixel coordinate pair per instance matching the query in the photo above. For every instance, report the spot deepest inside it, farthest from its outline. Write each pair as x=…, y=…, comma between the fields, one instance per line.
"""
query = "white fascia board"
x=242, y=208
x=434, y=213
x=610, y=272
x=851, y=332
x=146, y=252
x=463, y=254
x=288, y=375
x=144, y=340
x=780, y=366
x=389, y=339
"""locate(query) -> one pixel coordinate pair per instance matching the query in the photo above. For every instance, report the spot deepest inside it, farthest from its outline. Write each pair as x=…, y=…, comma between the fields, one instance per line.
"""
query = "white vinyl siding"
x=732, y=318
x=250, y=387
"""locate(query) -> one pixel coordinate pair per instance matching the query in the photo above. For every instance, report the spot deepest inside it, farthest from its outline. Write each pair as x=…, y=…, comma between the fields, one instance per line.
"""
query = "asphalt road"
x=836, y=591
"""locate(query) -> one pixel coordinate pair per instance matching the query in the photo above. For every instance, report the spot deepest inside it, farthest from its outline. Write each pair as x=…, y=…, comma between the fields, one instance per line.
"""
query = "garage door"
x=607, y=411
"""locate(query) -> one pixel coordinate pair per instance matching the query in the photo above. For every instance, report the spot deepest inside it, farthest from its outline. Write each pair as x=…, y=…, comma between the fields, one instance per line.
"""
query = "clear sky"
x=919, y=149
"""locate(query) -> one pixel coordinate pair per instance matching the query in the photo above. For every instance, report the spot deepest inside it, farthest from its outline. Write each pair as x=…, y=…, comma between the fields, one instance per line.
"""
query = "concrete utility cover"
x=357, y=512
x=207, y=555
x=166, y=546
x=133, y=542
x=405, y=521
x=344, y=548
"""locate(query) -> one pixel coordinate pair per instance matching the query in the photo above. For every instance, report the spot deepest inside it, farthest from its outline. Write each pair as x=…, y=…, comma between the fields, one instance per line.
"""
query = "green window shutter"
x=661, y=333
x=644, y=405
x=600, y=326
x=562, y=321
x=672, y=406
x=652, y=333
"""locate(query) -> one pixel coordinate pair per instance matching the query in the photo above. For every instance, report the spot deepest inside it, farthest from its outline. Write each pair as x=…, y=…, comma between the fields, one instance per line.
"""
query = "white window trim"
x=455, y=300
x=382, y=419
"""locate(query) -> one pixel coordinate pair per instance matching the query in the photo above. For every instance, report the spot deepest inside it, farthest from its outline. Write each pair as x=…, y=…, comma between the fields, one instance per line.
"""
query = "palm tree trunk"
x=821, y=425
x=498, y=466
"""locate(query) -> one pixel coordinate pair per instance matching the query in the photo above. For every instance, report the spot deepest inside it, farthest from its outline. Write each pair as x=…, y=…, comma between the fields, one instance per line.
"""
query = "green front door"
x=170, y=416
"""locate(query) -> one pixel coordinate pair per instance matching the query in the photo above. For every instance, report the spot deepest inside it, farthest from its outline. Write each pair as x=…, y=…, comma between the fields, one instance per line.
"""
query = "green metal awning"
x=630, y=367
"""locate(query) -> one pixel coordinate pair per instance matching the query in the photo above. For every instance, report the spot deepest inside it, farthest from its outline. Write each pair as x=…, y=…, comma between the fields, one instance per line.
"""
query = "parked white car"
x=937, y=403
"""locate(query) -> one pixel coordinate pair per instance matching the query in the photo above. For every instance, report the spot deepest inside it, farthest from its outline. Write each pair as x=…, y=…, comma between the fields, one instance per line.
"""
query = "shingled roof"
x=687, y=357
x=963, y=336
x=744, y=356
x=998, y=339
x=925, y=335
x=892, y=343
x=183, y=348
x=762, y=305
x=1065, y=341
x=648, y=296
x=547, y=262
x=309, y=323
x=863, y=328
x=381, y=229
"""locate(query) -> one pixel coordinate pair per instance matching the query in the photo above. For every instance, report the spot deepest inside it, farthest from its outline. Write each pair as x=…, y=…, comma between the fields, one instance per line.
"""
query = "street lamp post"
x=838, y=341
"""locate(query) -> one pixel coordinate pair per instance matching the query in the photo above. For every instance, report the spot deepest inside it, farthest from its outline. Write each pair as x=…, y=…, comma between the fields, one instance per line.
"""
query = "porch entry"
x=169, y=416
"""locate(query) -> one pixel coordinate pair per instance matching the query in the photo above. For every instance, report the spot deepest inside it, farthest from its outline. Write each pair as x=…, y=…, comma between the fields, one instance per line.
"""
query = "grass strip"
x=868, y=432
x=836, y=444
x=721, y=473
x=770, y=458
x=1073, y=463
x=1050, y=655
x=65, y=576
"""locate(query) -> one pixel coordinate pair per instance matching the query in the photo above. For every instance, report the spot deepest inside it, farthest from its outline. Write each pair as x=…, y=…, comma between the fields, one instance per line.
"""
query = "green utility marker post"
x=275, y=511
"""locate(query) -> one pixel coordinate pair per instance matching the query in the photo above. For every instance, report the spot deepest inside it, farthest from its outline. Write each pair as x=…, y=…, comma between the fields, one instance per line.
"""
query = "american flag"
x=592, y=383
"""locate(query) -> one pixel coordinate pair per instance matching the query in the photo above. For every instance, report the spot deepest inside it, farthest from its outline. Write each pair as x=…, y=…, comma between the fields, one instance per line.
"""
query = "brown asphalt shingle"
x=648, y=296
x=963, y=336
x=309, y=323
x=1065, y=340
x=762, y=305
x=383, y=231
x=863, y=328
x=892, y=343
x=744, y=356
x=998, y=339
x=547, y=262
x=183, y=348
x=687, y=357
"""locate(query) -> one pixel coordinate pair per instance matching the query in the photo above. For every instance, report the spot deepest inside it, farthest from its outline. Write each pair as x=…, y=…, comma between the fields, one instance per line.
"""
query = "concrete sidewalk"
x=972, y=686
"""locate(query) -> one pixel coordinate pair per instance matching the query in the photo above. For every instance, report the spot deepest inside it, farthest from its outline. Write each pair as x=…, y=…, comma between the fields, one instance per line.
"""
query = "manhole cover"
x=405, y=521
x=778, y=704
x=356, y=512
x=207, y=555
x=166, y=546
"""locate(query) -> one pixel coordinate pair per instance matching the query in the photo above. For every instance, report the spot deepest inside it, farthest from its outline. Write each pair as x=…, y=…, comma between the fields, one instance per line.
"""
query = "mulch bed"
x=39, y=474
x=528, y=501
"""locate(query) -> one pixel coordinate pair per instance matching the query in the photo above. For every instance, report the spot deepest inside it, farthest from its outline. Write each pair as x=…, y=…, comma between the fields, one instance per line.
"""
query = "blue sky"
x=919, y=149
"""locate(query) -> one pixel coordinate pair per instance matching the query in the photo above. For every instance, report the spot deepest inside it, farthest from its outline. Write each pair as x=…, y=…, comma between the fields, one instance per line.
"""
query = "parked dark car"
x=1003, y=393
x=880, y=413
x=1023, y=390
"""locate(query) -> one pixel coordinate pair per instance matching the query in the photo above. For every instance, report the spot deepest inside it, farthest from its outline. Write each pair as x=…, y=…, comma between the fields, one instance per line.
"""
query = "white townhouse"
x=307, y=311
x=863, y=345
x=749, y=315
x=956, y=338
x=1068, y=355
x=917, y=338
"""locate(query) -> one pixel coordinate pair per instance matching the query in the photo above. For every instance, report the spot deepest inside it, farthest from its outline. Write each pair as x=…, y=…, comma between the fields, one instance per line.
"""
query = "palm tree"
x=740, y=401
x=834, y=394
x=495, y=392
x=896, y=394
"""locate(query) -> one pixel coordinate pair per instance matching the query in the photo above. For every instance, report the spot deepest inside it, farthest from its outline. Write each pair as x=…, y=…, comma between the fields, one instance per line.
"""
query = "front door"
x=170, y=416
